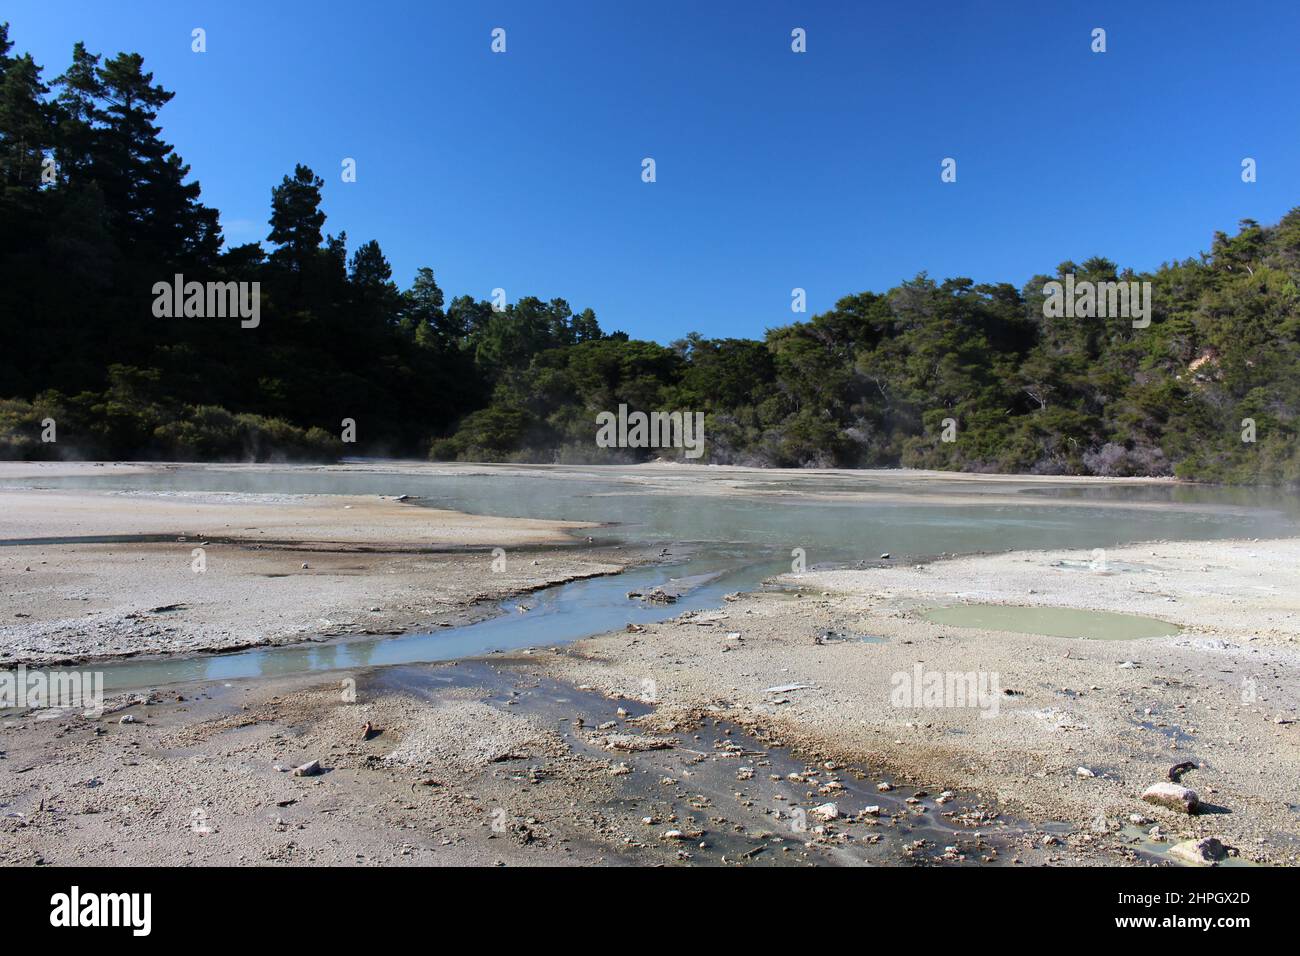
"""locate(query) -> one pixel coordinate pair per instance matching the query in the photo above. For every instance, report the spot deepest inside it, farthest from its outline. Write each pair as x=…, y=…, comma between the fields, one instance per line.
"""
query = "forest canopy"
x=97, y=208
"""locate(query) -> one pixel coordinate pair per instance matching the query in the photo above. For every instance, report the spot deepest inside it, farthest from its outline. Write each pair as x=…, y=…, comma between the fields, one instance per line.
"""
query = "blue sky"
x=775, y=170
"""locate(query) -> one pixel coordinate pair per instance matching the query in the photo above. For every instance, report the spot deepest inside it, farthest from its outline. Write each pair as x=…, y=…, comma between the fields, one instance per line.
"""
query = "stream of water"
x=735, y=540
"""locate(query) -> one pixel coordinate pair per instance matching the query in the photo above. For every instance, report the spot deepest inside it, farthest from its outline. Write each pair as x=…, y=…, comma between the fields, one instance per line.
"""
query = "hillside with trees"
x=96, y=208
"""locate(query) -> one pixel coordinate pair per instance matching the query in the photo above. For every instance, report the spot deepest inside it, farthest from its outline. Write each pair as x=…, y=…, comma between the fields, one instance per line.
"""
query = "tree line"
x=96, y=209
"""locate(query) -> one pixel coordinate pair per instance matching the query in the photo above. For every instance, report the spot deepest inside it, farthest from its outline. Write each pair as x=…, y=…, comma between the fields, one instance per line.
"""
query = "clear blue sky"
x=775, y=170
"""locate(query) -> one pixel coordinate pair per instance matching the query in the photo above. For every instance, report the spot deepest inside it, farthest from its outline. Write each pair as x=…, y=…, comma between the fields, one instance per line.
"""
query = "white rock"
x=1204, y=852
x=827, y=811
x=1172, y=796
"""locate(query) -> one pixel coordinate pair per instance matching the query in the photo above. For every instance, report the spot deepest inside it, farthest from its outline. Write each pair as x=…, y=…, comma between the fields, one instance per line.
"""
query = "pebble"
x=1172, y=796
x=1203, y=852
x=827, y=811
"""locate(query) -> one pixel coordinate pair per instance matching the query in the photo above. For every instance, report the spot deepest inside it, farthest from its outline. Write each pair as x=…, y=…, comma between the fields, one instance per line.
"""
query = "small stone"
x=1084, y=772
x=1172, y=796
x=827, y=811
x=1203, y=852
x=310, y=769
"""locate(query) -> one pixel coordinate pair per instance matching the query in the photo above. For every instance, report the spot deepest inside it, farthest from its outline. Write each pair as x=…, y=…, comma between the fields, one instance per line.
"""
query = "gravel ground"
x=1081, y=727
x=473, y=768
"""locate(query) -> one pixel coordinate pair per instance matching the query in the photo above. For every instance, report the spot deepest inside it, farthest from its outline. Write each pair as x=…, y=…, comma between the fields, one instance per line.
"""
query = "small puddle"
x=1052, y=621
x=93, y=539
x=849, y=637
x=1102, y=567
x=1152, y=850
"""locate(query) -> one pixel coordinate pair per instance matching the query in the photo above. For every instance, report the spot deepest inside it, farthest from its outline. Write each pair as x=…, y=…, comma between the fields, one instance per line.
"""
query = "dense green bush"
x=882, y=379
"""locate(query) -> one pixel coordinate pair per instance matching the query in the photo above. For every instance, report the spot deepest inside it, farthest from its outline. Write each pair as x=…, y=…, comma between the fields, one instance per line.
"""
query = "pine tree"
x=80, y=92
x=296, y=219
x=26, y=134
x=142, y=177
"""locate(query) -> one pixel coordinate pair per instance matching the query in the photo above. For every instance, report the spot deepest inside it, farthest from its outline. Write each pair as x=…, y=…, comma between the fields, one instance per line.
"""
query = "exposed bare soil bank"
x=275, y=569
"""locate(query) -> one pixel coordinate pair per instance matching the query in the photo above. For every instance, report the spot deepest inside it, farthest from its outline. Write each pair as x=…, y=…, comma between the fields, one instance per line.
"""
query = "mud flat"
x=1080, y=728
x=100, y=574
x=474, y=763
x=767, y=731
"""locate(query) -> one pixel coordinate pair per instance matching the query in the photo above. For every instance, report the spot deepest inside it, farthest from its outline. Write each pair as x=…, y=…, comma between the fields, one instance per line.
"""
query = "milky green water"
x=1052, y=621
x=737, y=541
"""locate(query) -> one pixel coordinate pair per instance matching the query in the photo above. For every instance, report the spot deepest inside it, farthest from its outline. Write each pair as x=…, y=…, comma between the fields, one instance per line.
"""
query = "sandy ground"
x=464, y=764
x=769, y=708
x=260, y=519
x=221, y=571
x=1222, y=694
x=207, y=779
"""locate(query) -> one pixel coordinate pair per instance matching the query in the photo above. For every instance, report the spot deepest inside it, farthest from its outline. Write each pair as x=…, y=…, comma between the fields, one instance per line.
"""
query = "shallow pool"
x=1052, y=621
